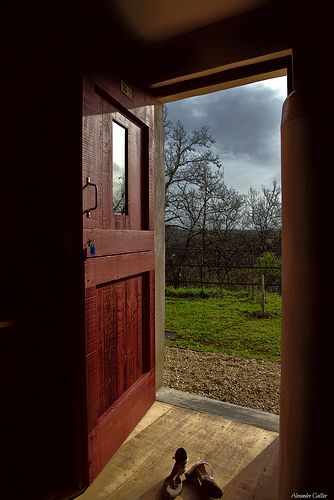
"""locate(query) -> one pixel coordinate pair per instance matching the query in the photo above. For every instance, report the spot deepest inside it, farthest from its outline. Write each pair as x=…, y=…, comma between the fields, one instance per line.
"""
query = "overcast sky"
x=245, y=122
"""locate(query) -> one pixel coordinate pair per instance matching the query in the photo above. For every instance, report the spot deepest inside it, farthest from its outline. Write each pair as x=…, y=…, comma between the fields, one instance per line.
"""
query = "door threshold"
x=241, y=414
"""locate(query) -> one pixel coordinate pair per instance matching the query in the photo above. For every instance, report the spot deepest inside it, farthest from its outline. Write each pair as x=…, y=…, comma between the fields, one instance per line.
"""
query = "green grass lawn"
x=231, y=324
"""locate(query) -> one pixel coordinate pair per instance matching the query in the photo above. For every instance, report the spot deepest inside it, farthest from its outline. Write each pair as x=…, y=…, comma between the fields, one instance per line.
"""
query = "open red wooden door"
x=118, y=243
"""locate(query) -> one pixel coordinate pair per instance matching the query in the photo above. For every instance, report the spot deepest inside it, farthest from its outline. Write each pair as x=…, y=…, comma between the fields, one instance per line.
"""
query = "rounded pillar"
x=305, y=388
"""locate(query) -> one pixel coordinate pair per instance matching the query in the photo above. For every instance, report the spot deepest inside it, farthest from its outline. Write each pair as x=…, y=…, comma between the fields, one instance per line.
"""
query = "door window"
x=119, y=168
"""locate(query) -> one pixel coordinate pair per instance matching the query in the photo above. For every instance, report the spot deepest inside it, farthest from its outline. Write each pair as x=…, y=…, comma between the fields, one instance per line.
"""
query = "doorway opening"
x=223, y=244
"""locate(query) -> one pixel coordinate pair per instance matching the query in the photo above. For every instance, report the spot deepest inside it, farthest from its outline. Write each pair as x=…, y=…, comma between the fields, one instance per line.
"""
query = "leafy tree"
x=269, y=264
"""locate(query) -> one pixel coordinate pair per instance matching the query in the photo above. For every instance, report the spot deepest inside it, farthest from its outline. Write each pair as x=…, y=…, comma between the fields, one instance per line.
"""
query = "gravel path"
x=241, y=381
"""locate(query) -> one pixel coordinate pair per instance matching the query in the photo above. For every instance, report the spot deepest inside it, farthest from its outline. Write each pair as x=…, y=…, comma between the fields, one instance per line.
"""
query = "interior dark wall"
x=45, y=47
x=40, y=278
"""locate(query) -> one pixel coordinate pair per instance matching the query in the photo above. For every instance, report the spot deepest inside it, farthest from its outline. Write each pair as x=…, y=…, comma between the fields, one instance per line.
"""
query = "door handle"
x=90, y=183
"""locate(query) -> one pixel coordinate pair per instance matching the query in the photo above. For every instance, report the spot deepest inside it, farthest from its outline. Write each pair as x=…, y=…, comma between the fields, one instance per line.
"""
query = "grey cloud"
x=245, y=122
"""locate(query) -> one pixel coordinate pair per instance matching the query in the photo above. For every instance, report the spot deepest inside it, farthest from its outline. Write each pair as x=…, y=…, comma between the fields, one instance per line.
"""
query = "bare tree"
x=191, y=207
x=227, y=209
x=212, y=227
x=184, y=155
x=263, y=212
x=227, y=214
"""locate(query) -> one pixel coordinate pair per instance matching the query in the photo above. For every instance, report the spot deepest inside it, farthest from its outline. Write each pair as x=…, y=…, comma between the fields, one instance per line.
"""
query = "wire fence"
x=231, y=277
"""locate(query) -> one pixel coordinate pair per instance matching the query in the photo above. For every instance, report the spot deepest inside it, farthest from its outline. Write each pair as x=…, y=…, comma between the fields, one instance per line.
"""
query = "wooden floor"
x=243, y=457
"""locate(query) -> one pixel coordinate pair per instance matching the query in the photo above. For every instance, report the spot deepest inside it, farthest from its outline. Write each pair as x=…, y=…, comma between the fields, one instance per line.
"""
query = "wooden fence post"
x=252, y=277
x=263, y=291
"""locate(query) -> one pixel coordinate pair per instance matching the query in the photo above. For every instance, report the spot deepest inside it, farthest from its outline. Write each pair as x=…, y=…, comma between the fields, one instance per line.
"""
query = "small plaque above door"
x=126, y=89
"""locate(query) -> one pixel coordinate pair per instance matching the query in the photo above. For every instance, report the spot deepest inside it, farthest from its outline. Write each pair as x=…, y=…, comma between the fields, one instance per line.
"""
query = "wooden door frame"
x=185, y=88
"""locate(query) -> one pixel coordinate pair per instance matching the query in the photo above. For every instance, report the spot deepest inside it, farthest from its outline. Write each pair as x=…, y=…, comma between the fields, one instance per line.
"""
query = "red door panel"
x=118, y=242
